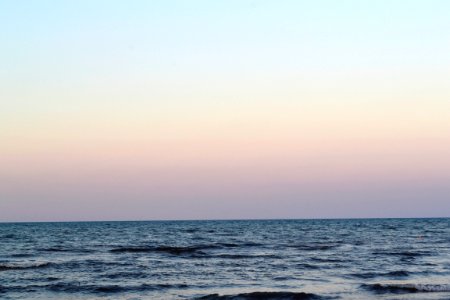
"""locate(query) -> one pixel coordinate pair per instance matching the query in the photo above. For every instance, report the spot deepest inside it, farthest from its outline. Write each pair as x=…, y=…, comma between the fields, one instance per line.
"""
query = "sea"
x=233, y=259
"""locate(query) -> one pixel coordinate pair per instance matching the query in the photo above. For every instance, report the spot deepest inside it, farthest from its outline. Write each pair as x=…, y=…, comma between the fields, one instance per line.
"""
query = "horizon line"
x=231, y=219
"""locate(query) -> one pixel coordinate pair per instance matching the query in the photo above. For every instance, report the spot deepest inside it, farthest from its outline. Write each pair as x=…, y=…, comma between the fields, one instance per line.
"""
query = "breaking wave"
x=406, y=288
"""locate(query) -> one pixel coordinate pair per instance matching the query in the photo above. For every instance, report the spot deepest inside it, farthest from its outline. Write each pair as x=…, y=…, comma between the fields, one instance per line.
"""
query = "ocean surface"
x=269, y=259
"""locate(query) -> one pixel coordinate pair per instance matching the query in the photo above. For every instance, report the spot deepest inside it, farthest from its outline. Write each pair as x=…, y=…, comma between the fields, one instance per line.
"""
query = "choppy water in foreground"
x=273, y=259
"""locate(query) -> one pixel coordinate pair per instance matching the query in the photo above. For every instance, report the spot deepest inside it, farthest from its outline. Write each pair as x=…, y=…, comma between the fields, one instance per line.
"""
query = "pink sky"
x=202, y=111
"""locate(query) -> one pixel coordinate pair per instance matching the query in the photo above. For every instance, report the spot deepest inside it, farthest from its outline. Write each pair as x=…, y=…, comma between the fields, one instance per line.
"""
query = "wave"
x=65, y=249
x=238, y=245
x=239, y=256
x=71, y=264
x=21, y=255
x=132, y=249
x=62, y=287
x=328, y=260
x=242, y=256
x=15, y=266
x=263, y=296
x=135, y=288
x=315, y=247
x=410, y=254
x=127, y=275
x=8, y=236
x=166, y=249
x=179, y=250
x=307, y=266
x=369, y=275
x=83, y=264
x=406, y=288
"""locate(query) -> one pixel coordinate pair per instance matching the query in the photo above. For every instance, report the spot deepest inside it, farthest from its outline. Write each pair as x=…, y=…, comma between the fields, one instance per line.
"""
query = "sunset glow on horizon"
x=216, y=110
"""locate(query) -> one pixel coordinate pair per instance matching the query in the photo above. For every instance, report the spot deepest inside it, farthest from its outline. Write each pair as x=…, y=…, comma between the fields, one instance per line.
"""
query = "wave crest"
x=406, y=288
x=15, y=266
x=166, y=249
x=179, y=250
x=263, y=296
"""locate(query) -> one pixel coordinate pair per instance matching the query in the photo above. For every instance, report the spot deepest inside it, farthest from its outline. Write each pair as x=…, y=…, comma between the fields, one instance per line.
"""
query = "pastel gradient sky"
x=138, y=110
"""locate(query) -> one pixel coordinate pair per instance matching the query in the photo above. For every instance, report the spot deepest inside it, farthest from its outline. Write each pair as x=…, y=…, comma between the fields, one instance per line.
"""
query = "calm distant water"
x=274, y=259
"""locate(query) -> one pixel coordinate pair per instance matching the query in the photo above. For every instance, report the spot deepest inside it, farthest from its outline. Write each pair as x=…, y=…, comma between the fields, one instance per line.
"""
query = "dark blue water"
x=274, y=259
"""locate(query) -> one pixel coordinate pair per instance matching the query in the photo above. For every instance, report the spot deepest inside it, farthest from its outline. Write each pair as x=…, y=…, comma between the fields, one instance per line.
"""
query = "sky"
x=149, y=110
